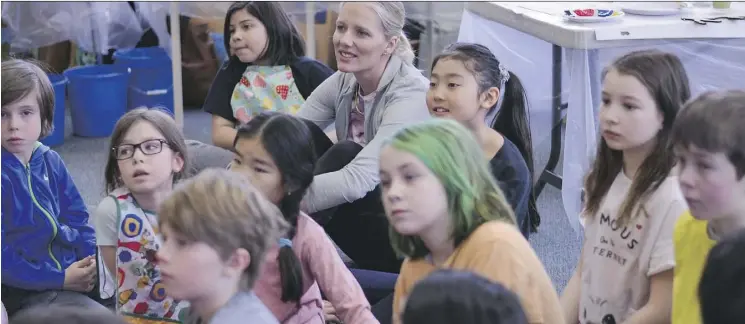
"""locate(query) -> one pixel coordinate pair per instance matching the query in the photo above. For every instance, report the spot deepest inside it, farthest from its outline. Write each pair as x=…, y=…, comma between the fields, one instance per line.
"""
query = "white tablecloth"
x=710, y=63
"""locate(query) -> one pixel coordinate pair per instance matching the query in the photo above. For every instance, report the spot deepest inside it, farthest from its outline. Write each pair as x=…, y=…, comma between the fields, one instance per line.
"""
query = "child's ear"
x=240, y=260
x=178, y=163
x=489, y=98
x=289, y=188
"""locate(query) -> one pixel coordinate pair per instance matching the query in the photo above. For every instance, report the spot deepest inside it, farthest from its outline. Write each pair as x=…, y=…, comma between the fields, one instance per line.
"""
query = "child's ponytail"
x=511, y=118
x=287, y=139
x=290, y=270
x=513, y=123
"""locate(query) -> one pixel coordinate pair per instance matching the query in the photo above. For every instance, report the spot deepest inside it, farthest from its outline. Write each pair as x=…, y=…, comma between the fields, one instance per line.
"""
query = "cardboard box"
x=324, y=31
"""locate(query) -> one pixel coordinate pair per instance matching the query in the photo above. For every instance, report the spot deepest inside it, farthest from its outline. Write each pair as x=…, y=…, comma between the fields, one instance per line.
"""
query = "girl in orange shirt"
x=447, y=211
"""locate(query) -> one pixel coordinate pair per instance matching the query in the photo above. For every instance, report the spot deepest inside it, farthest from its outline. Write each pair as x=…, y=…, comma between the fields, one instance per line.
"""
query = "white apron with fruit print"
x=263, y=88
x=141, y=296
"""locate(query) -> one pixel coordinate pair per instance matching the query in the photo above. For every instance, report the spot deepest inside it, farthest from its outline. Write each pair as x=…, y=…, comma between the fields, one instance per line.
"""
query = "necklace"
x=356, y=102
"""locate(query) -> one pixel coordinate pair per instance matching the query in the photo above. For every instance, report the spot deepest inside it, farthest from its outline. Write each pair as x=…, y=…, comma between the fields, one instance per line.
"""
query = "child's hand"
x=329, y=313
x=81, y=275
x=89, y=261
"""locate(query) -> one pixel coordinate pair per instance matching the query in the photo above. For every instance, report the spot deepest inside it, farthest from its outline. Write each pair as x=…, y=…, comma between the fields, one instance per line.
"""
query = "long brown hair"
x=666, y=80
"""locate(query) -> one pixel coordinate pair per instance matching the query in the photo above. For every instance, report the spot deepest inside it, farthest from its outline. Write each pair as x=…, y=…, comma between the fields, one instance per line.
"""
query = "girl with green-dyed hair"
x=452, y=154
x=446, y=211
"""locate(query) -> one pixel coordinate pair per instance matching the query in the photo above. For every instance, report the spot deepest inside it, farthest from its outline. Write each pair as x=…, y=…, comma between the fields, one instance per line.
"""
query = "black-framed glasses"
x=149, y=147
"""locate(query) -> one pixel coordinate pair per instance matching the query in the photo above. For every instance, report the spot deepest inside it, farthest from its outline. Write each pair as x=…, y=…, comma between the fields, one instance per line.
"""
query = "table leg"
x=548, y=176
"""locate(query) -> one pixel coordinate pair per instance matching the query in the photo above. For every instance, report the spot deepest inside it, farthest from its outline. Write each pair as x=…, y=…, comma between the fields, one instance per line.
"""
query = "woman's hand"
x=329, y=313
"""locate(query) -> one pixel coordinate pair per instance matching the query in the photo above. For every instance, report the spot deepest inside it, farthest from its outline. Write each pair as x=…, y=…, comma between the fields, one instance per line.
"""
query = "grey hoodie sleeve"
x=406, y=104
x=320, y=107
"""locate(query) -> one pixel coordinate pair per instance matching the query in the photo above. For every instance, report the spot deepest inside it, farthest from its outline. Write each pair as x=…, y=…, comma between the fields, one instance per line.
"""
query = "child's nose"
x=608, y=116
x=437, y=94
x=236, y=37
x=138, y=155
x=686, y=177
x=14, y=121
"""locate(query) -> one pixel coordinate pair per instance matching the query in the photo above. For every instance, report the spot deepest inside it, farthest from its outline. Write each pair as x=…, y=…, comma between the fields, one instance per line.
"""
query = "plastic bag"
x=94, y=26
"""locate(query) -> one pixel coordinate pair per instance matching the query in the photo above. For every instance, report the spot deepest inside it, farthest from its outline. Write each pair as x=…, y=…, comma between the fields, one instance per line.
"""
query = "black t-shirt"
x=513, y=176
x=307, y=73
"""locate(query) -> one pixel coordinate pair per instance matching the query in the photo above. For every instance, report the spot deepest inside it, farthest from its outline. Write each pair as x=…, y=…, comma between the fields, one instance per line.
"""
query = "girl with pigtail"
x=275, y=152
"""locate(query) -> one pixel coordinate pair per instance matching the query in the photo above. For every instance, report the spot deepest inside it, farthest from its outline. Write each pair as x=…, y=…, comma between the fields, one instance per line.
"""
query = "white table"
x=532, y=39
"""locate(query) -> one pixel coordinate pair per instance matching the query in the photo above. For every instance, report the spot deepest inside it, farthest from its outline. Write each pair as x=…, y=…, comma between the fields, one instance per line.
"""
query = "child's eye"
x=703, y=166
x=385, y=183
x=124, y=151
x=409, y=177
x=605, y=101
x=629, y=107
x=236, y=161
x=432, y=84
x=452, y=85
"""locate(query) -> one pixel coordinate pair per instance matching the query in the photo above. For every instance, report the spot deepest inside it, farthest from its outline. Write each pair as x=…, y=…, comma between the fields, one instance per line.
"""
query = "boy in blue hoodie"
x=48, y=248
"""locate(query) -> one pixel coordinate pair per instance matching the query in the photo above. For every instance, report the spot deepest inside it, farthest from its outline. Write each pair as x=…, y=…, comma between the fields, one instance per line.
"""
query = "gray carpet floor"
x=556, y=243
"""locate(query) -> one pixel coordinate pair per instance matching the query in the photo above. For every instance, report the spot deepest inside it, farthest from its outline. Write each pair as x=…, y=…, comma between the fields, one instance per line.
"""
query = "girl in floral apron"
x=267, y=69
x=140, y=296
x=265, y=88
x=147, y=156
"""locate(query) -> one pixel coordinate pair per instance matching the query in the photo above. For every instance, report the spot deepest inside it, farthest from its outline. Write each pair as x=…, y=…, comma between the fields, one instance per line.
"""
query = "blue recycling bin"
x=220, y=51
x=59, y=84
x=98, y=98
x=151, y=77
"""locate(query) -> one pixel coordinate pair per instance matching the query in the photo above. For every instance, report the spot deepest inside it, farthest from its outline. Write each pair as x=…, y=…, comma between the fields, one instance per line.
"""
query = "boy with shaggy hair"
x=48, y=248
x=216, y=229
x=709, y=139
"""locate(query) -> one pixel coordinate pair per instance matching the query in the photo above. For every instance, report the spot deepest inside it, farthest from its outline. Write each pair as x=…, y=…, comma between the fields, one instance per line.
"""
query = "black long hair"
x=284, y=42
x=287, y=139
x=512, y=118
x=453, y=296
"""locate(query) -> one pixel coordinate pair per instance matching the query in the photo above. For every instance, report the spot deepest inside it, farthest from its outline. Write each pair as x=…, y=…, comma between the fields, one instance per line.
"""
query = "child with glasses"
x=146, y=157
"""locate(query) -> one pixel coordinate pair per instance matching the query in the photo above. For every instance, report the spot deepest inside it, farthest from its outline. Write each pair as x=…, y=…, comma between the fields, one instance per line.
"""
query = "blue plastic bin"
x=98, y=98
x=59, y=84
x=151, y=77
x=220, y=51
